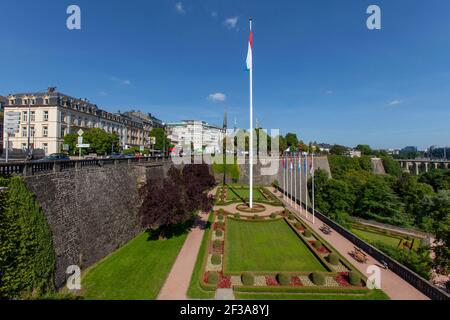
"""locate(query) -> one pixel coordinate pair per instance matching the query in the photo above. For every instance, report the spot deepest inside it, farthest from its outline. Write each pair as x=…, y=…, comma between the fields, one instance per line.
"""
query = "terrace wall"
x=91, y=211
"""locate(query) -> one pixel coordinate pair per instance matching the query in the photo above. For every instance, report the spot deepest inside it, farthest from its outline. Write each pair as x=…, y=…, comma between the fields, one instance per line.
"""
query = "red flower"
x=271, y=281
x=295, y=281
x=342, y=279
x=205, y=277
x=224, y=282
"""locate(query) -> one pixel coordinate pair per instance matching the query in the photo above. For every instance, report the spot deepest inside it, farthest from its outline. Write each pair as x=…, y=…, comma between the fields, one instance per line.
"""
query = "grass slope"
x=134, y=272
x=267, y=246
x=244, y=193
x=391, y=241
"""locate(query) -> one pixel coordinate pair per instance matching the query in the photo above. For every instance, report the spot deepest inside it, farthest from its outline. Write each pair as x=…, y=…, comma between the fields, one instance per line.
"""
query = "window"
x=33, y=101
x=63, y=132
x=45, y=147
x=25, y=116
x=46, y=101
x=32, y=116
x=24, y=146
x=63, y=117
x=45, y=131
x=25, y=101
x=12, y=102
x=45, y=115
x=32, y=131
x=24, y=131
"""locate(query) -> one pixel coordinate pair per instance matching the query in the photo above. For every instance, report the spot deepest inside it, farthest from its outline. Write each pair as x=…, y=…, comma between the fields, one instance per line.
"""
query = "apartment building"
x=200, y=135
x=46, y=117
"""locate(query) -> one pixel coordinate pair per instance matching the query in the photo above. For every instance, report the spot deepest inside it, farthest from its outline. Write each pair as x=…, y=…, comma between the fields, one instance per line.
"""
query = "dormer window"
x=25, y=101
x=33, y=101
x=12, y=101
x=46, y=101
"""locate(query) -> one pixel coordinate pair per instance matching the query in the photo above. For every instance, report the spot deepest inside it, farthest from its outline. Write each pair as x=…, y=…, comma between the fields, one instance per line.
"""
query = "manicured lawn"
x=266, y=246
x=370, y=236
x=136, y=271
x=372, y=295
x=243, y=193
x=194, y=290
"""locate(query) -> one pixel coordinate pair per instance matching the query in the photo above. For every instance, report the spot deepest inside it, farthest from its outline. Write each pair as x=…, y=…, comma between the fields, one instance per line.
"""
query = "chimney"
x=51, y=89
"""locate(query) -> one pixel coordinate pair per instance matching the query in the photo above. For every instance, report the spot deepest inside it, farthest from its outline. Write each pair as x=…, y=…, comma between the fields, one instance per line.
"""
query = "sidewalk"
x=394, y=286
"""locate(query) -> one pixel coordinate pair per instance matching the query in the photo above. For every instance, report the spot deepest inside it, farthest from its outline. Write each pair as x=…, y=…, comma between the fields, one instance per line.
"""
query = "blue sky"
x=318, y=70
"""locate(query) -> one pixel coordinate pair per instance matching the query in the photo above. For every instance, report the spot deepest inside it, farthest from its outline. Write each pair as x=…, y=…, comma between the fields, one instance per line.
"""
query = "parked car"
x=115, y=156
x=55, y=157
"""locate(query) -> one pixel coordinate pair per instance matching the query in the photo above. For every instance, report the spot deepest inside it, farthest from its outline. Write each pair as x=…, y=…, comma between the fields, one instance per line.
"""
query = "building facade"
x=200, y=135
x=3, y=102
x=46, y=117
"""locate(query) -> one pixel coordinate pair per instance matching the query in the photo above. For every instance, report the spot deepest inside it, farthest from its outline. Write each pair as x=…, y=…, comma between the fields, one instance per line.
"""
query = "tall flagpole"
x=284, y=176
x=312, y=173
x=300, y=176
x=251, y=127
x=306, y=183
x=292, y=169
x=295, y=180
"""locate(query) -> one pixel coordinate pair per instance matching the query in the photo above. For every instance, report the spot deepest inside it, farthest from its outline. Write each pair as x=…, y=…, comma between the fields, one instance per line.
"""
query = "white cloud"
x=124, y=82
x=214, y=14
x=179, y=7
x=231, y=22
x=217, y=97
x=395, y=102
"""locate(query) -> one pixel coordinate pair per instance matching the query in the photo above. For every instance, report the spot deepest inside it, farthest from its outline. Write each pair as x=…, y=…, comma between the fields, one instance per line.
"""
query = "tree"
x=101, y=142
x=378, y=201
x=438, y=206
x=391, y=166
x=365, y=149
x=338, y=150
x=437, y=178
x=162, y=142
x=176, y=199
x=292, y=141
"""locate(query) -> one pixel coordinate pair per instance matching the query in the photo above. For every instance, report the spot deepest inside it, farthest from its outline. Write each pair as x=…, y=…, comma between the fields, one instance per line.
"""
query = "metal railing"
x=36, y=167
x=421, y=284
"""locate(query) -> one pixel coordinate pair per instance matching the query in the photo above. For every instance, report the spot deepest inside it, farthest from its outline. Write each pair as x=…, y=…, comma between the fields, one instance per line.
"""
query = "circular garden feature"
x=257, y=208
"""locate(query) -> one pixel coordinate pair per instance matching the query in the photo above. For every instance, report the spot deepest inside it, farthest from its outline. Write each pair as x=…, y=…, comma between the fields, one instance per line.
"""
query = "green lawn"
x=194, y=290
x=388, y=240
x=372, y=295
x=266, y=246
x=238, y=193
x=136, y=271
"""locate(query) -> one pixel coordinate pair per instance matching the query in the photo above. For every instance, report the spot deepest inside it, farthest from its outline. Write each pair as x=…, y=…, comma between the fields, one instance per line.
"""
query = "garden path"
x=394, y=286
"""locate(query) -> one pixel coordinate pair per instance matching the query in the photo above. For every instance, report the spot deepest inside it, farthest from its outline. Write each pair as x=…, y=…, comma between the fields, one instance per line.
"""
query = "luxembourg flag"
x=249, y=53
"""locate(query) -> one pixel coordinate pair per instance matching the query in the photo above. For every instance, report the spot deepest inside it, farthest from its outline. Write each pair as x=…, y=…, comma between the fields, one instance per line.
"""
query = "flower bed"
x=296, y=281
x=224, y=281
x=342, y=279
x=271, y=281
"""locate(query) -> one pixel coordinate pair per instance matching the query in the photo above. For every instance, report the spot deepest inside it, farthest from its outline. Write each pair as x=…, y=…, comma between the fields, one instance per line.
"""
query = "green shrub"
x=307, y=233
x=283, y=279
x=237, y=215
x=27, y=257
x=298, y=225
x=220, y=217
x=291, y=216
x=213, y=277
x=220, y=224
x=221, y=211
x=317, y=278
x=256, y=217
x=333, y=259
x=217, y=244
x=219, y=233
x=354, y=278
x=317, y=244
x=275, y=183
x=248, y=279
x=273, y=215
x=216, y=259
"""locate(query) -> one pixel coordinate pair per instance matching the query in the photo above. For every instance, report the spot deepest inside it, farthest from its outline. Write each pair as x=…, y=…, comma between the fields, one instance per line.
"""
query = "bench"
x=325, y=229
x=359, y=255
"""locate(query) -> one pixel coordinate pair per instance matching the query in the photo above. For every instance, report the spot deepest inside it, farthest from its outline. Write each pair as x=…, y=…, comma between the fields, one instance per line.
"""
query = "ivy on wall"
x=27, y=258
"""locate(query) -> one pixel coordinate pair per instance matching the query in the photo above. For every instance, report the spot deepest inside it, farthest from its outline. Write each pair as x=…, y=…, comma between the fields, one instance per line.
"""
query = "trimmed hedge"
x=273, y=215
x=220, y=217
x=219, y=233
x=354, y=278
x=237, y=215
x=248, y=279
x=217, y=244
x=317, y=244
x=220, y=224
x=307, y=233
x=216, y=259
x=333, y=259
x=283, y=279
x=317, y=278
x=213, y=278
x=291, y=216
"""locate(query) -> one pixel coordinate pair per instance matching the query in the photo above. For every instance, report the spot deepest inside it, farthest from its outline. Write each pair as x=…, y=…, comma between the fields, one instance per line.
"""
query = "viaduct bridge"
x=416, y=166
